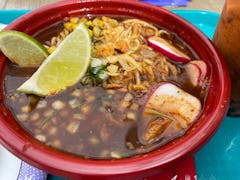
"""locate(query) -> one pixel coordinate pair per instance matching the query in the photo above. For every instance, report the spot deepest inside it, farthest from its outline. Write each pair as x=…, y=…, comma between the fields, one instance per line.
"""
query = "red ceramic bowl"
x=14, y=138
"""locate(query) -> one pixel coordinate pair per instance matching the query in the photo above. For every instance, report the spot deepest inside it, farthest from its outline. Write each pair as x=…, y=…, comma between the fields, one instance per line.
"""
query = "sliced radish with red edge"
x=168, y=50
x=204, y=68
x=198, y=71
x=194, y=73
x=167, y=114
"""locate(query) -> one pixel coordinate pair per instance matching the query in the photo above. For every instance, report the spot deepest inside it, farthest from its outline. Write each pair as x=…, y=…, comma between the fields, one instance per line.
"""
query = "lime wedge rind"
x=21, y=48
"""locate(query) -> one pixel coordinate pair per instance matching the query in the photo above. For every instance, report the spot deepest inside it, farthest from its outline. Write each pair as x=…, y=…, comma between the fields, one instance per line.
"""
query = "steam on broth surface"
x=100, y=116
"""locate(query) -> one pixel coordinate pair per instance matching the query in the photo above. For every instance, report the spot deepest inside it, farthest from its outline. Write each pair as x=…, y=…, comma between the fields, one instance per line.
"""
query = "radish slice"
x=164, y=47
x=168, y=113
x=197, y=71
x=194, y=73
x=204, y=68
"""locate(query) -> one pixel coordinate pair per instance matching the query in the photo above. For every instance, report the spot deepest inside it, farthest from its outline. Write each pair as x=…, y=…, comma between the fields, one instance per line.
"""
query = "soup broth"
x=99, y=117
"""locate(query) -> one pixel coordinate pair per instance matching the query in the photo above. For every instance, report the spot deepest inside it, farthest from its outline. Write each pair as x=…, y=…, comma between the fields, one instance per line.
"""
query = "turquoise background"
x=219, y=159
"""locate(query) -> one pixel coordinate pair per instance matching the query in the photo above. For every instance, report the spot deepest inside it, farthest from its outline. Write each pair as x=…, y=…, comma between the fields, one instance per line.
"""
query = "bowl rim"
x=37, y=154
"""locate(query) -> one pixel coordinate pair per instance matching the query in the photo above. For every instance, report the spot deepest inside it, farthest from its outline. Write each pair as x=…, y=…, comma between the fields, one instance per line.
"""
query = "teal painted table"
x=219, y=158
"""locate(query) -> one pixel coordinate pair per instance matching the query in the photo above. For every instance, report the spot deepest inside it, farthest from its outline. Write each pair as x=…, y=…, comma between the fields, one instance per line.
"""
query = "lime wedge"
x=21, y=48
x=64, y=67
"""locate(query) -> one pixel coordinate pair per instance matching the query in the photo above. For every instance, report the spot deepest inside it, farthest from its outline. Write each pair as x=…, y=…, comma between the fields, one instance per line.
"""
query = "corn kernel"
x=96, y=31
x=98, y=22
x=74, y=20
x=89, y=23
x=68, y=25
x=74, y=26
x=103, y=31
x=83, y=19
x=51, y=49
x=66, y=32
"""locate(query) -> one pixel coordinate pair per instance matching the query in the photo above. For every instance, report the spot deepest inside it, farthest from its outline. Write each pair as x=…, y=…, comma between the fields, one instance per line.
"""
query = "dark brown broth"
x=111, y=120
x=104, y=133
